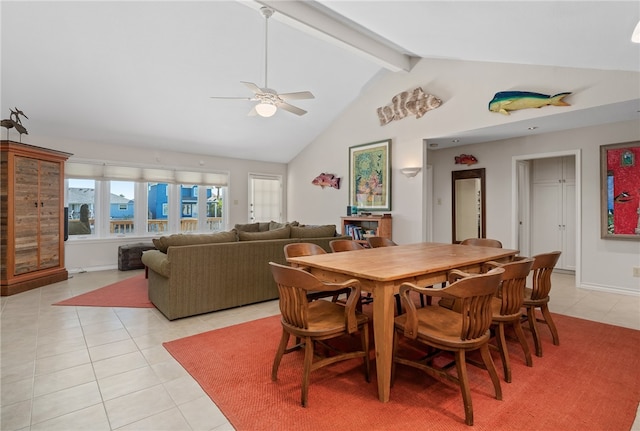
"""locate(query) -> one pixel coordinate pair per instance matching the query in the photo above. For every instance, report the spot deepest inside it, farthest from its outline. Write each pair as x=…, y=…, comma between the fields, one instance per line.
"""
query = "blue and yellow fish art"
x=506, y=101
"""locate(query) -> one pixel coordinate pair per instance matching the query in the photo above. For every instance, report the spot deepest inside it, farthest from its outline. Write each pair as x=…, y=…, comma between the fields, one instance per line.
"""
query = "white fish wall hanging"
x=326, y=180
x=415, y=102
x=505, y=101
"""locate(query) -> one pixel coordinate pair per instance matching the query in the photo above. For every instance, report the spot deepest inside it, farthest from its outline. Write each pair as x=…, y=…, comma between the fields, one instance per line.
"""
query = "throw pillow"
x=281, y=233
x=163, y=243
x=277, y=225
x=313, y=231
x=263, y=226
x=249, y=227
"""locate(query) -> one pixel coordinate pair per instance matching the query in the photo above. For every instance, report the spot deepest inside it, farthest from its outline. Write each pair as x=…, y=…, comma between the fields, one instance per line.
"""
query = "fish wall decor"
x=505, y=101
x=465, y=159
x=326, y=180
x=415, y=102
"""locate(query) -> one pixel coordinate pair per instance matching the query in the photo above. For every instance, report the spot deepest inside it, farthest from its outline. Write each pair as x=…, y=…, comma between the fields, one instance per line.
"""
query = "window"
x=81, y=202
x=140, y=201
x=121, y=207
x=157, y=207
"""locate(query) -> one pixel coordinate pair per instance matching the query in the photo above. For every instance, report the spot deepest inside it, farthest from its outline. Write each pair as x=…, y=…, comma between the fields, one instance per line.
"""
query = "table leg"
x=383, y=335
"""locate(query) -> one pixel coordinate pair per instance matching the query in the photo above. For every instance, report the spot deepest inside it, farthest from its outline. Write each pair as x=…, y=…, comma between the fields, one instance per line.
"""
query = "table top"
x=392, y=263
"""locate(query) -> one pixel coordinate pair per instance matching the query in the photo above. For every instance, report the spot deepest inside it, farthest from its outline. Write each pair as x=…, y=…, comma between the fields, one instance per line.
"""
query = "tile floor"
x=92, y=368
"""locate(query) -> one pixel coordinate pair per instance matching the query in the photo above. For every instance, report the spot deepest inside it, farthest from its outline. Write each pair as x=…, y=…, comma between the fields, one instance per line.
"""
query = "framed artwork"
x=370, y=176
x=620, y=190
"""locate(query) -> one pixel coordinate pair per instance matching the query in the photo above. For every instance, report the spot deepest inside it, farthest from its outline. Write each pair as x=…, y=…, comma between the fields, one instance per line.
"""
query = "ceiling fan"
x=270, y=100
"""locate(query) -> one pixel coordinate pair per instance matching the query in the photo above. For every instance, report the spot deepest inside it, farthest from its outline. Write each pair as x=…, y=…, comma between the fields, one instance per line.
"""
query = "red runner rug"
x=131, y=293
x=590, y=382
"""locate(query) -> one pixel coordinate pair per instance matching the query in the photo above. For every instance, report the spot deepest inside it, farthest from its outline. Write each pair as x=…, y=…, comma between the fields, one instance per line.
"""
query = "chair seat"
x=326, y=318
x=442, y=327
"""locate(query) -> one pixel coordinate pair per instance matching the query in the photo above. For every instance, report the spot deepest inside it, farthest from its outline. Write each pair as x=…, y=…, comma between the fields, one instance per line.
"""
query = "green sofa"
x=196, y=274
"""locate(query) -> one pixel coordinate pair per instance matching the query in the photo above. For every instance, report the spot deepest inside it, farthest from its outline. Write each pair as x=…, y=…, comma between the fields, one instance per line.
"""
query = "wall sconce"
x=410, y=172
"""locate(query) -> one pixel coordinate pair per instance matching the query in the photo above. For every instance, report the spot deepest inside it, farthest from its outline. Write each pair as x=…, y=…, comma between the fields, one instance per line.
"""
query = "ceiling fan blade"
x=253, y=112
x=253, y=87
x=293, y=109
x=297, y=95
x=231, y=97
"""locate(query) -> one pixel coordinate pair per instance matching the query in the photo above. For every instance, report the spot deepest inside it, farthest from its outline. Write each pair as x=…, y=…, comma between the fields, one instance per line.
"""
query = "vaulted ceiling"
x=142, y=73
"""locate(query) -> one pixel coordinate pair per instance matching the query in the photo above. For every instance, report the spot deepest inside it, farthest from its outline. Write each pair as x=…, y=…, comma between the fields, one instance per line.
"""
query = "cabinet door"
x=49, y=214
x=26, y=215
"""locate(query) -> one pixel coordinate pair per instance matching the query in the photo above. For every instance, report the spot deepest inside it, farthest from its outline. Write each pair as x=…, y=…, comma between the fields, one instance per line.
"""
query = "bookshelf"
x=360, y=227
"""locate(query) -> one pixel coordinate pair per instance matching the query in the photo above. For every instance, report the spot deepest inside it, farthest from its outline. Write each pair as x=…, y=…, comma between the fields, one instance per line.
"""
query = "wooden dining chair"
x=380, y=241
x=507, y=309
x=316, y=322
x=482, y=242
x=340, y=245
x=299, y=249
x=538, y=297
x=451, y=331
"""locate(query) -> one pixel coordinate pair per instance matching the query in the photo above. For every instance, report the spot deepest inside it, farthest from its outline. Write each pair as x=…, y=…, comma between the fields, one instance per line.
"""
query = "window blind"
x=132, y=173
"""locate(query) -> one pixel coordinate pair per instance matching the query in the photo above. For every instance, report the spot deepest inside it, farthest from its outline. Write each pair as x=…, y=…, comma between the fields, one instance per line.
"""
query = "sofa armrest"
x=157, y=261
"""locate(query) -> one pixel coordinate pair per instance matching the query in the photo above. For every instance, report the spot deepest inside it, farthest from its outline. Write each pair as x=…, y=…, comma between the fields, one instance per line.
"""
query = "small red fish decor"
x=415, y=102
x=465, y=159
x=326, y=180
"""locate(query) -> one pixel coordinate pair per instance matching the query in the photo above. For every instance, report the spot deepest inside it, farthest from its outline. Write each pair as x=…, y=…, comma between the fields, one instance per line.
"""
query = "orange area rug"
x=590, y=382
x=130, y=293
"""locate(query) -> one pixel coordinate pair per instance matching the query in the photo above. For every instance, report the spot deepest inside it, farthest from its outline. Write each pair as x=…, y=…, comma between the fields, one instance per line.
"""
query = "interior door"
x=265, y=198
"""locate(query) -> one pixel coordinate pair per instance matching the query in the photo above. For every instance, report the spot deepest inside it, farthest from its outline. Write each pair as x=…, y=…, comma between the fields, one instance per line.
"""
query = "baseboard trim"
x=610, y=289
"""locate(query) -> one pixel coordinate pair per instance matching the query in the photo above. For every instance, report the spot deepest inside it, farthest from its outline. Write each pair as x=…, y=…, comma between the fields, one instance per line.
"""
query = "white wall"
x=466, y=88
x=102, y=254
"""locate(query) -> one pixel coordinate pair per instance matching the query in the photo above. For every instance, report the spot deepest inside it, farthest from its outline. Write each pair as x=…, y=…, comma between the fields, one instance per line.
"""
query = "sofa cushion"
x=313, y=231
x=281, y=233
x=163, y=243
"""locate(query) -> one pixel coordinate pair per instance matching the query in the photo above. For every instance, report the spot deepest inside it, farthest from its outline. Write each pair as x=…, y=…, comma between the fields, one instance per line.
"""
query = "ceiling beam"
x=321, y=22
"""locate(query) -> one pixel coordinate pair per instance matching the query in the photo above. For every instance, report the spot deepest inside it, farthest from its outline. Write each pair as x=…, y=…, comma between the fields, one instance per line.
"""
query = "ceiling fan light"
x=266, y=109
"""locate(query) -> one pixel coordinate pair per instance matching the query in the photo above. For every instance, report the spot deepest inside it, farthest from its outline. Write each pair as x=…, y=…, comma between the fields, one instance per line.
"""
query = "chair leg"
x=284, y=340
x=531, y=317
x=365, y=347
x=491, y=368
x=398, y=304
x=393, y=357
x=308, y=359
x=504, y=353
x=550, y=324
x=517, y=328
x=463, y=380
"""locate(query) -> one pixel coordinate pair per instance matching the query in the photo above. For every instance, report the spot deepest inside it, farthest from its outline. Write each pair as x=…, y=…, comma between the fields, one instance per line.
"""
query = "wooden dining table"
x=382, y=270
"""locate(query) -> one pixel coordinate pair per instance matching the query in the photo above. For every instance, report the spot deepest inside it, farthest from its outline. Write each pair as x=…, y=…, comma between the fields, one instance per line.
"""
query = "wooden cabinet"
x=32, y=222
x=553, y=209
x=380, y=225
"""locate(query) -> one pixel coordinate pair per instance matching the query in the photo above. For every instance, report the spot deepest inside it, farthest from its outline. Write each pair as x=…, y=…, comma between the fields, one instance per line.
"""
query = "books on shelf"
x=358, y=232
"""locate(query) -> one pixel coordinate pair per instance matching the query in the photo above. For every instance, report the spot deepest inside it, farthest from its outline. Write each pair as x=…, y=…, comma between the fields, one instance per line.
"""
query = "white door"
x=265, y=198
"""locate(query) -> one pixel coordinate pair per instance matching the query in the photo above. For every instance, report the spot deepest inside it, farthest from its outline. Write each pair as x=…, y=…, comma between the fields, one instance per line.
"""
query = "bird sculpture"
x=14, y=122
